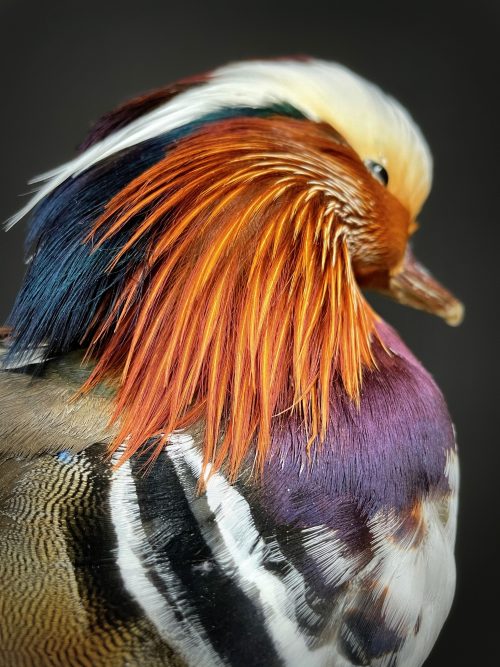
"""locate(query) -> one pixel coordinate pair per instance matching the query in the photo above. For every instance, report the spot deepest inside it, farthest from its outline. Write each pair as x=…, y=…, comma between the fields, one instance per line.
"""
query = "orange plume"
x=247, y=302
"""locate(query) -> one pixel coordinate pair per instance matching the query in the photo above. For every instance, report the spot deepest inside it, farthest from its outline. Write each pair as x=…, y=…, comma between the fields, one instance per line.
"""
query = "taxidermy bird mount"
x=214, y=452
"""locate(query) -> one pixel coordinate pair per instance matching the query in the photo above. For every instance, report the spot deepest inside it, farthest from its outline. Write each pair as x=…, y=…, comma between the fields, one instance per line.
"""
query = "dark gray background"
x=64, y=63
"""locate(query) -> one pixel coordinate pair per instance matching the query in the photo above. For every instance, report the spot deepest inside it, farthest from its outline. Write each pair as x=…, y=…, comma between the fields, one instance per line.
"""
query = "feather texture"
x=194, y=297
x=246, y=306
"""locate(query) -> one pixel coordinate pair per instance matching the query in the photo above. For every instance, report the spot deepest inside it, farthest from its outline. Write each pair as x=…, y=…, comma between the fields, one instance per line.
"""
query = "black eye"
x=378, y=171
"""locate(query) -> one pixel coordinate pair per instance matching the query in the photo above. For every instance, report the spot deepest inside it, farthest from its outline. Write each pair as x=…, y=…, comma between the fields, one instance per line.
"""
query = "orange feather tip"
x=252, y=303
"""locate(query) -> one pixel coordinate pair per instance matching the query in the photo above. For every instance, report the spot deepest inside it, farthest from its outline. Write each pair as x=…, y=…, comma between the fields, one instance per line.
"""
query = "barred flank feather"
x=245, y=303
x=205, y=254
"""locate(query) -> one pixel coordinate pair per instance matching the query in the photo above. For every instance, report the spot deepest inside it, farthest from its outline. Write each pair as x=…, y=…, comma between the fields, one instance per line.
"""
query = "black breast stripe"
x=234, y=625
x=313, y=612
x=95, y=547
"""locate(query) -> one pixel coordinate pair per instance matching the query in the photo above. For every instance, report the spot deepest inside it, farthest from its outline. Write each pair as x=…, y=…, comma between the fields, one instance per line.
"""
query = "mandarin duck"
x=213, y=450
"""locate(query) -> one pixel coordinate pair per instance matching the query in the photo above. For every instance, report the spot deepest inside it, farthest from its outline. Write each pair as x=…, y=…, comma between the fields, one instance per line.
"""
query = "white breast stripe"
x=412, y=579
x=415, y=583
x=134, y=560
x=449, y=513
x=329, y=553
x=244, y=555
x=420, y=581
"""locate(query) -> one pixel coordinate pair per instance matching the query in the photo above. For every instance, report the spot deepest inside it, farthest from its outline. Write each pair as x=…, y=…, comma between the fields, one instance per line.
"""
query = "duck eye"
x=378, y=171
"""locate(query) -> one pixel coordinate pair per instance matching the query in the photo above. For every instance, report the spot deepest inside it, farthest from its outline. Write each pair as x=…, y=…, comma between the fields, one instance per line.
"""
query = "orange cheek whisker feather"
x=206, y=252
x=249, y=300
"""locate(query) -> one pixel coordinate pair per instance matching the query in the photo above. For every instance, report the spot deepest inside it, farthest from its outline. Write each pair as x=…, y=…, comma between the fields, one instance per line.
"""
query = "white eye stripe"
x=370, y=121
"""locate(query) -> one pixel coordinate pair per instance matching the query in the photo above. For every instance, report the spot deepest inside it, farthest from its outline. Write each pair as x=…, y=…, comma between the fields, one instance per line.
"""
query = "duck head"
x=216, y=239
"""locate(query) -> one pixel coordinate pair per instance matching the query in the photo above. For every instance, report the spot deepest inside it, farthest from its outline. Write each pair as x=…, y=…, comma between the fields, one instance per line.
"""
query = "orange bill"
x=414, y=286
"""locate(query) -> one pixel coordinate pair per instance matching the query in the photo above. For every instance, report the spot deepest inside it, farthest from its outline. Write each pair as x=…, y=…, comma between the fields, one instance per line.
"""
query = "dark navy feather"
x=67, y=282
